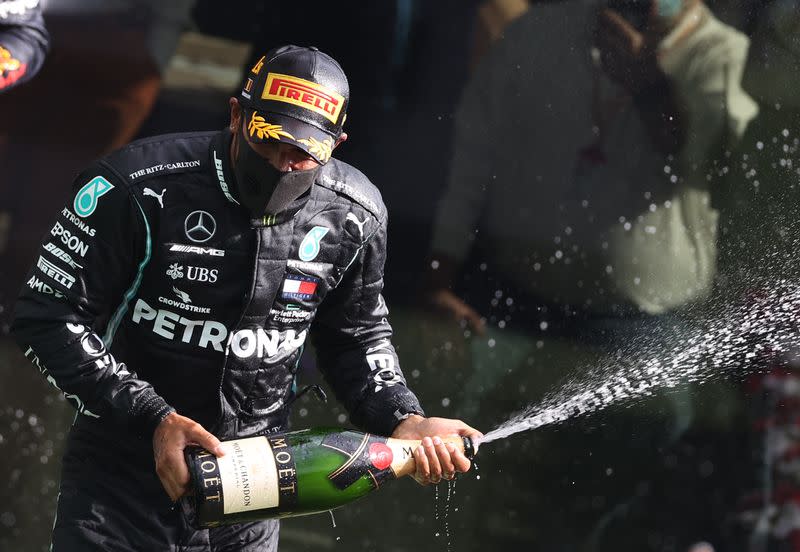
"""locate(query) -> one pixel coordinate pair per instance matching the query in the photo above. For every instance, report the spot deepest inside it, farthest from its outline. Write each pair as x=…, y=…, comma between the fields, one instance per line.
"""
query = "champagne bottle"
x=294, y=474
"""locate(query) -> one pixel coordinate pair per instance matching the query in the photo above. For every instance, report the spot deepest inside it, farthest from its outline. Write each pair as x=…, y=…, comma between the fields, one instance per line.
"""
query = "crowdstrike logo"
x=210, y=334
x=184, y=303
x=200, y=226
x=182, y=295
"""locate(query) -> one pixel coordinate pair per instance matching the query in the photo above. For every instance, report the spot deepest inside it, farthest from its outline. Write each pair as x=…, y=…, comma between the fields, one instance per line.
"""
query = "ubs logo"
x=200, y=226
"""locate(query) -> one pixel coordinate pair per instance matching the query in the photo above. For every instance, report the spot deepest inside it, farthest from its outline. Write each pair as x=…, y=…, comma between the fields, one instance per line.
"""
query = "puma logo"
x=159, y=197
x=359, y=223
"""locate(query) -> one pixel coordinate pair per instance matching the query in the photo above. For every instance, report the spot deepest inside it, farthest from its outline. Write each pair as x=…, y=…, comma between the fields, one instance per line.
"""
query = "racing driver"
x=172, y=298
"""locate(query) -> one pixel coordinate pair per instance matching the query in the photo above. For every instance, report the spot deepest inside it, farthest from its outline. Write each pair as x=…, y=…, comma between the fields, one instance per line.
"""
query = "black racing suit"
x=153, y=262
x=23, y=41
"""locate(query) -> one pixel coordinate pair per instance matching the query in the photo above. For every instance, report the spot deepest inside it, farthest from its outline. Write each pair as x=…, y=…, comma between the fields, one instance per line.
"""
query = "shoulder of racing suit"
x=161, y=155
x=348, y=181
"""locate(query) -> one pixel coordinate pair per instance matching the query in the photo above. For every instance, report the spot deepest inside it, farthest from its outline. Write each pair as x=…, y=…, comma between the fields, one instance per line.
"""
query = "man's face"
x=282, y=156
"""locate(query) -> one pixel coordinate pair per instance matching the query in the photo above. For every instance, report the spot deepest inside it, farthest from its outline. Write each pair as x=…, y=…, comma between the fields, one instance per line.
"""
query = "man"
x=203, y=259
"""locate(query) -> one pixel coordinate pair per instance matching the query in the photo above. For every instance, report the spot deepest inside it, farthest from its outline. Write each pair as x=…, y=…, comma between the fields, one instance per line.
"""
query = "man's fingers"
x=423, y=474
x=475, y=322
x=206, y=440
x=174, y=474
x=443, y=454
x=612, y=22
x=433, y=459
x=460, y=462
x=466, y=430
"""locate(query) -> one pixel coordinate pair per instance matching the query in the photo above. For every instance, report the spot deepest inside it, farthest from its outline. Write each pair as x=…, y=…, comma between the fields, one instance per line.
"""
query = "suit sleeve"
x=352, y=336
x=89, y=263
x=24, y=42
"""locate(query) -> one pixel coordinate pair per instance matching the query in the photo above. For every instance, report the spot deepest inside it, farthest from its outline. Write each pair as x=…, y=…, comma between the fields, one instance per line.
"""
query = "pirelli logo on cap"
x=303, y=93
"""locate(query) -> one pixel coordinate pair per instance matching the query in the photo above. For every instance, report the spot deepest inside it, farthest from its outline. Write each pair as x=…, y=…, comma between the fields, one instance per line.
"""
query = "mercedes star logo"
x=200, y=226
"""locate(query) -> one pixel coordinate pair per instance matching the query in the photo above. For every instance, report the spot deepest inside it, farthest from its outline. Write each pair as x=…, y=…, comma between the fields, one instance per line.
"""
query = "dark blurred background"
x=561, y=185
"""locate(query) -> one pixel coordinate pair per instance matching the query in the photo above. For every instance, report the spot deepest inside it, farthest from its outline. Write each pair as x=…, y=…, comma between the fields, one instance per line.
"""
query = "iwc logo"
x=200, y=226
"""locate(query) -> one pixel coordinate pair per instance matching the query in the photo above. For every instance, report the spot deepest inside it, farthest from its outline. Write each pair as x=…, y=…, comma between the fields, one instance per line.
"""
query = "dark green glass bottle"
x=294, y=474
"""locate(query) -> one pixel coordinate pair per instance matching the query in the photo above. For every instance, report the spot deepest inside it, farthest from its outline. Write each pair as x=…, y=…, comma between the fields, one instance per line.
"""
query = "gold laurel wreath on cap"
x=258, y=125
x=321, y=150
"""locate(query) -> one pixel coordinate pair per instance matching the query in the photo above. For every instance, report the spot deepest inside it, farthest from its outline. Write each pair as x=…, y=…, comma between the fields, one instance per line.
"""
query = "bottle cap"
x=469, y=447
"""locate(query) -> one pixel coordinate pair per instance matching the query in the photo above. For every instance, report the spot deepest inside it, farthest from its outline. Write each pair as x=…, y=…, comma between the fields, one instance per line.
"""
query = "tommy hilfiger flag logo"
x=299, y=287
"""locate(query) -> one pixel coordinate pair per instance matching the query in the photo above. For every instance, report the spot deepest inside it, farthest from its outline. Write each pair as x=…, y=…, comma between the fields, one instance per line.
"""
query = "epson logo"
x=198, y=250
x=72, y=242
x=210, y=334
x=74, y=219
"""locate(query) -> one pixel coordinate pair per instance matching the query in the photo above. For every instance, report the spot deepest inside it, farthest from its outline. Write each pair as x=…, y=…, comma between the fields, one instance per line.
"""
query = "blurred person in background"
x=577, y=219
x=23, y=42
x=98, y=84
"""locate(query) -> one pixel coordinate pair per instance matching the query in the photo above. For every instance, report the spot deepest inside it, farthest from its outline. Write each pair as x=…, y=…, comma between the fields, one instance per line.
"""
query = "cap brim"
x=263, y=126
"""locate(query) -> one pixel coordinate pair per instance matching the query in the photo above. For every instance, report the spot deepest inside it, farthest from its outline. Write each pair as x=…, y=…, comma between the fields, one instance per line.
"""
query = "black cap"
x=296, y=95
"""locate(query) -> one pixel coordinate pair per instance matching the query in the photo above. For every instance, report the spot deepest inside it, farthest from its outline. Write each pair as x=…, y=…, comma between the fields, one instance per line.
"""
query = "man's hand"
x=435, y=459
x=173, y=434
x=449, y=303
x=627, y=55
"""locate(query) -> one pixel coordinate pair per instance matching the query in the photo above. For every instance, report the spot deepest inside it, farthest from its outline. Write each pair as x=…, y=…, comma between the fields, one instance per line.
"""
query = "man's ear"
x=236, y=114
x=342, y=138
